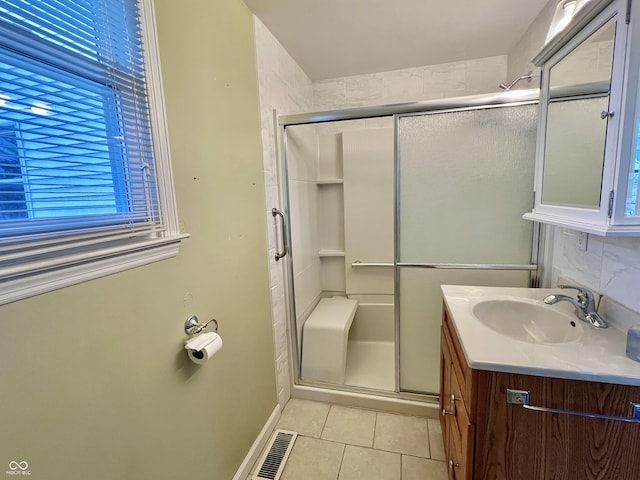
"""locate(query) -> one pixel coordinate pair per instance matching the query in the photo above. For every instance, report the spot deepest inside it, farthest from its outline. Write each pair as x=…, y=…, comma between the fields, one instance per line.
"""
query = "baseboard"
x=258, y=445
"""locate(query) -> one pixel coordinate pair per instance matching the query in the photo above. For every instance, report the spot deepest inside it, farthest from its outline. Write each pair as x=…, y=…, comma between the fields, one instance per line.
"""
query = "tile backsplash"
x=609, y=266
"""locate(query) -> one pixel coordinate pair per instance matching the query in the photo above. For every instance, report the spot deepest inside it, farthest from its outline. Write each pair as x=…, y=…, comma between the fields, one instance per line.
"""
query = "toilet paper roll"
x=202, y=347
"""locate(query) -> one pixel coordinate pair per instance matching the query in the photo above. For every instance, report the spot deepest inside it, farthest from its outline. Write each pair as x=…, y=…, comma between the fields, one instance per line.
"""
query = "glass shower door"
x=464, y=180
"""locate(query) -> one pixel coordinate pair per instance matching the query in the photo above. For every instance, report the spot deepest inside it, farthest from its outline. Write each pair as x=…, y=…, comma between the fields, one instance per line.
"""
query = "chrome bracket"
x=192, y=327
x=634, y=410
x=517, y=397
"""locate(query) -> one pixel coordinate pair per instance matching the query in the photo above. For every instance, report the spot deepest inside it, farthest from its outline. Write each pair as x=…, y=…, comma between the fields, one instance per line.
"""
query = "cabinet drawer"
x=565, y=447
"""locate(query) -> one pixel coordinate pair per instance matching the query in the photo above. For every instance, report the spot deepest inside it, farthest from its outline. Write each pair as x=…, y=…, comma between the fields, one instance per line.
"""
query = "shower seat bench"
x=324, y=340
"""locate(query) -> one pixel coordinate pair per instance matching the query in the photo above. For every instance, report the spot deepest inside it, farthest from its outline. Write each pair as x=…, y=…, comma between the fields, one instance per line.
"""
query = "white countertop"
x=598, y=355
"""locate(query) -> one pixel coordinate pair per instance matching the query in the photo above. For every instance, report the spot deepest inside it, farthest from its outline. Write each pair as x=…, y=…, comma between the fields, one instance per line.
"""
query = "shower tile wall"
x=411, y=85
x=283, y=86
x=528, y=46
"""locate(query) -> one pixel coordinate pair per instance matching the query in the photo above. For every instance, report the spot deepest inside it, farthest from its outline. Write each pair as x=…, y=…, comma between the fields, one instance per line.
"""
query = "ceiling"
x=337, y=38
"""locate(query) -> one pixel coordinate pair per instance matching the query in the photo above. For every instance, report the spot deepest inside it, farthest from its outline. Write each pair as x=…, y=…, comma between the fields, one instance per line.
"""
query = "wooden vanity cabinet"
x=487, y=438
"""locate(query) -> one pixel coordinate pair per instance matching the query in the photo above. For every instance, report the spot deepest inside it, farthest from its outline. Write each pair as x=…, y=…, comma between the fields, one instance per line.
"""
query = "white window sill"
x=74, y=269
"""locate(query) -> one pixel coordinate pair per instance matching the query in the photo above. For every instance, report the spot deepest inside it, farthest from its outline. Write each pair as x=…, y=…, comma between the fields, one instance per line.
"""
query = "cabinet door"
x=516, y=443
x=446, y=372
x=457, y=431
x=460, y=453
x=462, y=433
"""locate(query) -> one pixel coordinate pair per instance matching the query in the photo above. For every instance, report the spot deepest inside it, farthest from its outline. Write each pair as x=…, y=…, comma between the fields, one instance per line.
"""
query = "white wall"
x=369, y=208
x=302, y=161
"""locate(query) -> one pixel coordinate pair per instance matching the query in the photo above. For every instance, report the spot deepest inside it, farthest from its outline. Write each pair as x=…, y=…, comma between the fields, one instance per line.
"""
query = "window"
x=85, y=186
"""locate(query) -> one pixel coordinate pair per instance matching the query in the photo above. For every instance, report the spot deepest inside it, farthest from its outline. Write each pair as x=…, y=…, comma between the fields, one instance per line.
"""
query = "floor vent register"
x=272, y=463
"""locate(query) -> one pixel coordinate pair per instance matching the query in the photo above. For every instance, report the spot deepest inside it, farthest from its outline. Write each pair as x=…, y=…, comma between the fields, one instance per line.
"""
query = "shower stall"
x=386, y=204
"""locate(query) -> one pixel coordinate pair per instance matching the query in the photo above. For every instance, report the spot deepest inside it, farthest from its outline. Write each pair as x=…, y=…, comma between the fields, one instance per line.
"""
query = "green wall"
x=94, y=380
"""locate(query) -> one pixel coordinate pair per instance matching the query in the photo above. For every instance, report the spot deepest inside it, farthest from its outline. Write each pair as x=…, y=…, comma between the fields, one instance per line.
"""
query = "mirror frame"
x=630, y=122
x=558, y=149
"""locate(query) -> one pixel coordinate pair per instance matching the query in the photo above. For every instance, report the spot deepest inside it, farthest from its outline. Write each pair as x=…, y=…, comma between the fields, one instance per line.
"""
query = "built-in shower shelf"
x=329, y=181
x=331, y=253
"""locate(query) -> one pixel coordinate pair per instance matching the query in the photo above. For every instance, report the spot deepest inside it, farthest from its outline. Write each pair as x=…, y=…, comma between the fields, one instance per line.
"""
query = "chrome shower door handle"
x=285, y=244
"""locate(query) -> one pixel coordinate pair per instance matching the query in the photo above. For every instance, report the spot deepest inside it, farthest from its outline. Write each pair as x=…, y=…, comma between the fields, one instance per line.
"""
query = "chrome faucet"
x=584, y=303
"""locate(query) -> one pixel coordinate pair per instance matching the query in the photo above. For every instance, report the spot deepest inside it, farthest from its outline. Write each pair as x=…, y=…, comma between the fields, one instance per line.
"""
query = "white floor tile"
x=401, y=444
x=402, y=434
x=435, y=439
x=367, y=464
x=304, y=416
x=313, y=459
x=414, y=468
x=350, y=425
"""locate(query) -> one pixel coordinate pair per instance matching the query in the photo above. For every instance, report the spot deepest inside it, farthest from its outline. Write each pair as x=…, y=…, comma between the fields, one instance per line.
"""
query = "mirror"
x=576, y=122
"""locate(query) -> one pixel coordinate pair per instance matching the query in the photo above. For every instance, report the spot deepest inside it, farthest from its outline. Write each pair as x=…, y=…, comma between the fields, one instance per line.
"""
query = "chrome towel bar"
x=449, y=266
x=521, y=397
x=359, y=264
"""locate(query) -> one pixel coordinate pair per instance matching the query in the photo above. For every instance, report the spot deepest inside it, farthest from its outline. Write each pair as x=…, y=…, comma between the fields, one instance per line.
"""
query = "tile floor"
x=344, y=443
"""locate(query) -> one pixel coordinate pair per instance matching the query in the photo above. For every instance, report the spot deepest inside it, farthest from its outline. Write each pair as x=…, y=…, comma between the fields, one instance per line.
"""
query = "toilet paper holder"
x=192, y=327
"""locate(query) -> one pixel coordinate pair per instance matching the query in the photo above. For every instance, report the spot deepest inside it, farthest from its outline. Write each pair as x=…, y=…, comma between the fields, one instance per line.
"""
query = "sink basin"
x=528, y=320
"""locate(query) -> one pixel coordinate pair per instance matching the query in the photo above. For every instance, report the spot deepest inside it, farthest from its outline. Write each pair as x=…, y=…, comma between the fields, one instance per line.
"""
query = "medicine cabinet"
x=588, y=151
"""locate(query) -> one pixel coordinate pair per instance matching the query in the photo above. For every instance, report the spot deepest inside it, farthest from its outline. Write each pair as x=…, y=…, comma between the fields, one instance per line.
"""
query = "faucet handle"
x=585, y=293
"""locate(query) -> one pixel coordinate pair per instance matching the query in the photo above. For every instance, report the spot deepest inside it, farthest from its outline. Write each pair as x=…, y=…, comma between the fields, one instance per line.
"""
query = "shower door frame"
x=458, y=104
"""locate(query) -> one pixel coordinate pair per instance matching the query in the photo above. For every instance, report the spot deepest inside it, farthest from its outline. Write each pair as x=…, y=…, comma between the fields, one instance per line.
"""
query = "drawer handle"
x=453, y=405
x=452, y=466
x=521, y=397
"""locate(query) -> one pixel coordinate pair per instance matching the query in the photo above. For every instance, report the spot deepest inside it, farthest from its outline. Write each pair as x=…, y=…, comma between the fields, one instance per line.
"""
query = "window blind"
x=76, y=151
